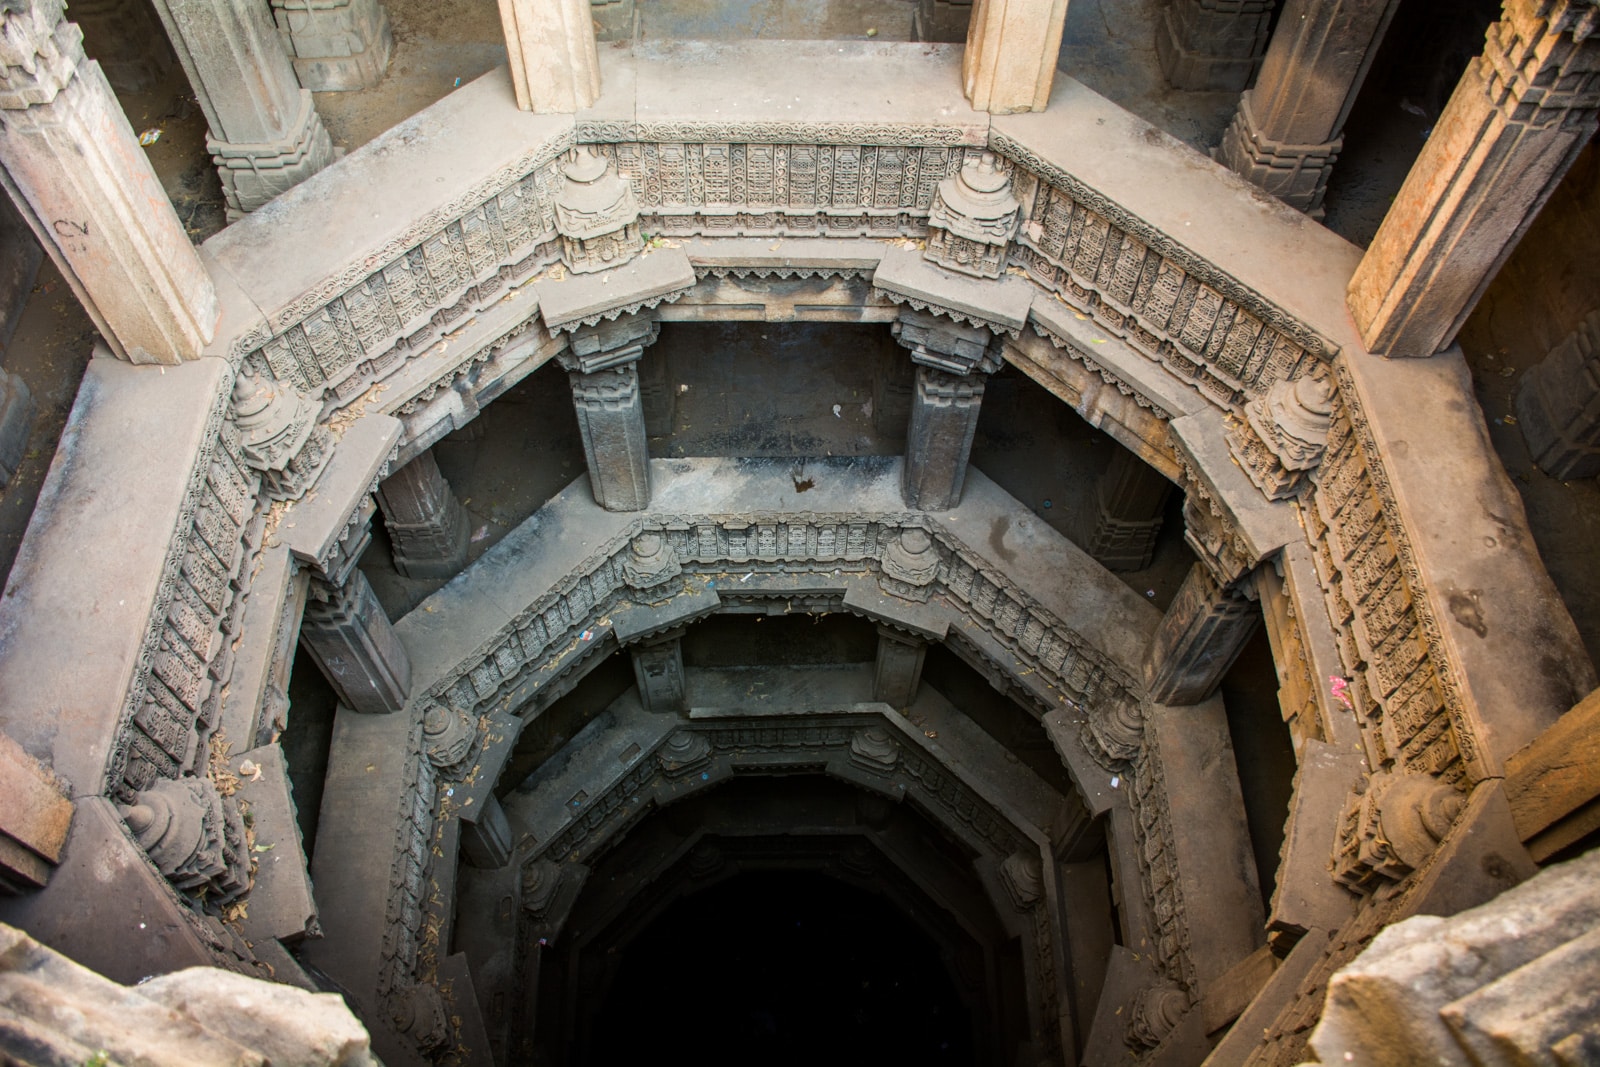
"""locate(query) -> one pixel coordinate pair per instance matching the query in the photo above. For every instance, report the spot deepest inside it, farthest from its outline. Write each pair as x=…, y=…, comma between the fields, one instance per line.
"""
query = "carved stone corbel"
x=973, y=218
x=597, y=215
x=280, y=434
x=649, y=567
x=194, y=836
x=910, y=566
x=1283, y=435
x=447, y=737
x=1391, y=828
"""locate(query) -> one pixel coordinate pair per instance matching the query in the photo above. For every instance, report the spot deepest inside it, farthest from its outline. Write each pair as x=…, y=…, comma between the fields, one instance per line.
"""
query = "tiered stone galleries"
x=1161, y=299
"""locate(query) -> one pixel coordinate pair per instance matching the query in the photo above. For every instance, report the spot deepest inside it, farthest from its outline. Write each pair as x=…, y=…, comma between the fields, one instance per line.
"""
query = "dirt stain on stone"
x=1467, y=608
x=997, y=538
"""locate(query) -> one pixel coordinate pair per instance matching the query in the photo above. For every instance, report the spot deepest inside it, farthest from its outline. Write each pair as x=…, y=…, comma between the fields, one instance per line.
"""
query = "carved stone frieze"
x=972, y=220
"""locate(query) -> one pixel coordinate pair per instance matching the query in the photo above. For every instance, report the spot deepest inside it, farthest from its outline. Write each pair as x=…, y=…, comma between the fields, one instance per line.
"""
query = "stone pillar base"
x=253, y=174
x=338, y=47
x=1213, y=45
x=1558, y=406
x=1297, y=174
x=349, y=635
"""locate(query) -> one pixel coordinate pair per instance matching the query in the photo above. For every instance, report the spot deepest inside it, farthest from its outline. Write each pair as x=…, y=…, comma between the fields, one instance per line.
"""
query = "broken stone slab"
x=34, y=818
x=1001, y=305
x=1385, y=1007
x=285, y=1026
x=319, y=528
x=585, y=299
x=280, y=905
x=1548, y=1006
x=1514, y=651
x=94, y=561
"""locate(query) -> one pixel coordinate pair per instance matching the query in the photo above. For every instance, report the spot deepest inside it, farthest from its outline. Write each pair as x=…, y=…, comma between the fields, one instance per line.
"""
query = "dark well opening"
x=784, y=968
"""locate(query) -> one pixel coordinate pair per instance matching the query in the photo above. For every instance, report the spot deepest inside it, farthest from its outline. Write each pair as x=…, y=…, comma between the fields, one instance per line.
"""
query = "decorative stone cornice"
x=39, y=52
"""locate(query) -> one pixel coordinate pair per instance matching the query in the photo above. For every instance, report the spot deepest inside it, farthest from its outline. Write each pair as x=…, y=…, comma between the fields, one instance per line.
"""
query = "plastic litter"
x=150, y=136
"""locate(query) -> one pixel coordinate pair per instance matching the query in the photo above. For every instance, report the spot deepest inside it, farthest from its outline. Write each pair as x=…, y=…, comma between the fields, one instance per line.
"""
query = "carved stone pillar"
x=1558, y=405
x=603, y=365
x=265, y=135
x=1204, y=631
x=76, y=172
x=427, y=524
x=124, y=37
x=555, y=66
x=1520, y=115
x=658, y=669
x=899, y=668
x=1130, y=500
x=348, y=634
x=1213, y=45
x=953, y=361
x=336, y=45
x=1010, y=60
x=1290, y=127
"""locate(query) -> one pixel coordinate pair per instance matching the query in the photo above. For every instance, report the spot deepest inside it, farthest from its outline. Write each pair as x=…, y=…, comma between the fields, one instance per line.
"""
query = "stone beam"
x=555, y=66
x=266, y=136
x=1010, y=61
x=1289, y=128
x=77, y=174
x=1515, y=124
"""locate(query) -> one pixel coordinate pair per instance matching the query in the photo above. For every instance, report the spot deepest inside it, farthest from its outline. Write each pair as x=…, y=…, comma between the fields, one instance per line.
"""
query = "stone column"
x=1010, y=60
x=1290, y=127
x=1204, y=631
x=1558, y=405
x=899, y=668
x=953, y=360
x=427, y=524
x=658, y=669
x=1130, y=500
x=603, y=365
x=1213, y=45
x=1520, y=115
x=486, y=838
x=944, y=418
x=347, y=632
x=555, y=66
x=77, y=174
x=265, y=135
x=336, y=45
x=16, y=422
